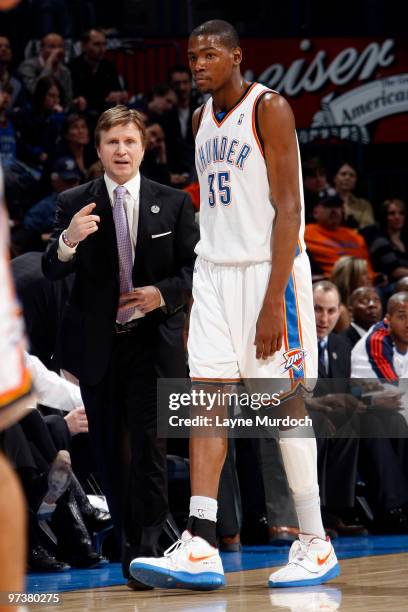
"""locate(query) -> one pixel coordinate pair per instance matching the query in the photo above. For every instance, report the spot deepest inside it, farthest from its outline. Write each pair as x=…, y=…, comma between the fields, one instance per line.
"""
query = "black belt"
x=129, y=326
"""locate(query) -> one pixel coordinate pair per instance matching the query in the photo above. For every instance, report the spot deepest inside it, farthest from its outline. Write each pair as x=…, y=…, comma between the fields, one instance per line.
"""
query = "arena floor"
x=374, y=577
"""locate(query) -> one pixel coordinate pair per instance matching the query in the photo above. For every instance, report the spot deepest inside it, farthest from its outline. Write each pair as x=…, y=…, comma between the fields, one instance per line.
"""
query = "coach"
x=130, y=242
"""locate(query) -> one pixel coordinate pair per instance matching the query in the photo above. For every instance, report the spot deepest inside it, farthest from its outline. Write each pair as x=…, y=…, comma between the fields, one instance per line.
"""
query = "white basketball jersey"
x=236, y=214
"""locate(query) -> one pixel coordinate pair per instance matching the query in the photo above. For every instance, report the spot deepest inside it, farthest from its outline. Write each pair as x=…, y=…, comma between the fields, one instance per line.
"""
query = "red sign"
x=336, y=81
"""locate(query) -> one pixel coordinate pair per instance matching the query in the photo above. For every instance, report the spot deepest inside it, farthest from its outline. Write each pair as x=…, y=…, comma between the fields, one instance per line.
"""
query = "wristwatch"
x=65, y=240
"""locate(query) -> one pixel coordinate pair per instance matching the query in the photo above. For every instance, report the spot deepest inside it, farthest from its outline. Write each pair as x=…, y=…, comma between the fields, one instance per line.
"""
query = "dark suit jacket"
x=167, y=262
x=339, y=353
x=42, y=302
x=351, y=335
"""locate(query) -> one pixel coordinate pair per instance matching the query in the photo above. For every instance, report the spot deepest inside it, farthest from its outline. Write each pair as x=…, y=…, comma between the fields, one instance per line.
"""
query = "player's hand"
x=82, y=224
x=77, y=421
x=388, y=401
x=269, y=331
x=145, y=299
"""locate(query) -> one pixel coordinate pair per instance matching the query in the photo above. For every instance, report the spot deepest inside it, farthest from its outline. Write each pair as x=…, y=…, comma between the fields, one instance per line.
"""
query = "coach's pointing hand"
x=82, y=224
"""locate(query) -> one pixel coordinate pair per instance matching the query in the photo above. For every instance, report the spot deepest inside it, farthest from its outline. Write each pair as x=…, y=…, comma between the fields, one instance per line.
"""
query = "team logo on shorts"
x=294, y=359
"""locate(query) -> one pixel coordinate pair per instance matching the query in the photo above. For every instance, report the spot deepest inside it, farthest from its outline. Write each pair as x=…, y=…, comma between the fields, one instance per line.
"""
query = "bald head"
x=326, y=300
x=397, y=301
x=402, y=284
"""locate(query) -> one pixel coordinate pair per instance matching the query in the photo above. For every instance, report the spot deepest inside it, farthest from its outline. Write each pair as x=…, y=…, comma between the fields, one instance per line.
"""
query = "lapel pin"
x=334, y=355
x=155, y=209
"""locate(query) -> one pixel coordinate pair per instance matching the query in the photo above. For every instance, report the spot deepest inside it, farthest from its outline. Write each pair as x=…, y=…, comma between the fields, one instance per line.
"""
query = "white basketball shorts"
x=227, y=303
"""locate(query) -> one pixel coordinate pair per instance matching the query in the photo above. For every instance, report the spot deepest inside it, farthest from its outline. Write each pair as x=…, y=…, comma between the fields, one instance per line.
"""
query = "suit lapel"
x=333, y=357
x=105, y=237
x=150, y=209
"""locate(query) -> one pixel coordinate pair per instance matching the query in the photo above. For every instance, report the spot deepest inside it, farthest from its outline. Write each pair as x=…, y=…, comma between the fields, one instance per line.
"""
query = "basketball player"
x=253, y=303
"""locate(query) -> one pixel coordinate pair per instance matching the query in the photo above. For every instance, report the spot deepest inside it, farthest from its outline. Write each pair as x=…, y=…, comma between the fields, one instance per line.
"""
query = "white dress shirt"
x=52, y=390
x=132, y=205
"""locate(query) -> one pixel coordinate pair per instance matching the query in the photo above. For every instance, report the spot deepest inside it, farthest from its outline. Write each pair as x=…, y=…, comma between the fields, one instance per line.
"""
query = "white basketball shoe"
x=190, y=563
x=311, y=561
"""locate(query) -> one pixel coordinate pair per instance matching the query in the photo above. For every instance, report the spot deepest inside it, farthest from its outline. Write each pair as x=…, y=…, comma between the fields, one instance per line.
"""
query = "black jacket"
x=166, y=261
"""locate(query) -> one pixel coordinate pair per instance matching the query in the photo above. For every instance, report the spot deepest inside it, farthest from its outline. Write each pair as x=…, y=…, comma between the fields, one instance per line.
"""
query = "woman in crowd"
x=358, y=212
x=388, y=241
x=75, y=143
x=40, y=123
x=348, y=274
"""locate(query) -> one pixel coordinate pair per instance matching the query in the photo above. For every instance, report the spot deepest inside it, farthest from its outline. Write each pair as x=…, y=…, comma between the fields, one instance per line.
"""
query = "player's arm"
x=277, y=130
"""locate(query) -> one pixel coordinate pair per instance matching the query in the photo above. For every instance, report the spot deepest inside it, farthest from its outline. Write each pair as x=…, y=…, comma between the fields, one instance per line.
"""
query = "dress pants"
x=130, y=459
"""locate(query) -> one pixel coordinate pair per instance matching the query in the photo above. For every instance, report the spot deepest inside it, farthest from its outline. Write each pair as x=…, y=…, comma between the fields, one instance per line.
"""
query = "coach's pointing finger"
x=82, y=224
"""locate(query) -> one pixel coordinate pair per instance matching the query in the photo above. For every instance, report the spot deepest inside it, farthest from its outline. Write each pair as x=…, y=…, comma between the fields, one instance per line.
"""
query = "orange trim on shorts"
x=24, y=386
x=234, y=108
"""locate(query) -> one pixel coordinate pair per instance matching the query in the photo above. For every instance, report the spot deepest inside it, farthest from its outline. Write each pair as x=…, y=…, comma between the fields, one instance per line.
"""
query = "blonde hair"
x=119, y=115
x=347, y=274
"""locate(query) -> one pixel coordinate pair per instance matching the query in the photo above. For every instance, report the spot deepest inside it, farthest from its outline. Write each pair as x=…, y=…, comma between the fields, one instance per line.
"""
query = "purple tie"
x=124, y=250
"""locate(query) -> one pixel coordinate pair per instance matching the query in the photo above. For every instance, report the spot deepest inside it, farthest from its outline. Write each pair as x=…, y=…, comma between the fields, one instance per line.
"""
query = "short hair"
x=44, y=38
x=86, y=36
x=70, y=120
x=218, y=27
x=179, y=68
x=312, y=166
x=119, y=115
x=326, y=286
x=159, y=90
x=395, y=300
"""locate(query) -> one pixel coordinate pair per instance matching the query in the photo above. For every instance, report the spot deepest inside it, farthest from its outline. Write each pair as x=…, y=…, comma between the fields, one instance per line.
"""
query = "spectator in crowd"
x=388, y=242
x=383, y=353
x=75, y=143
x=348, y=273
x=337, y=456
x=39, y=219
x=95, y=80
x=358, y=212
x=315, y=185
x=160, y=100
x=381, y=462
x=365, y=311
x=46, y=475
x=327, y=240
x=6, y=76
x=95, y=170
x=154, y=165
x=20, y=180
x=40, y=123
x=50, y=63
x=8, y=138
x=181, y=151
